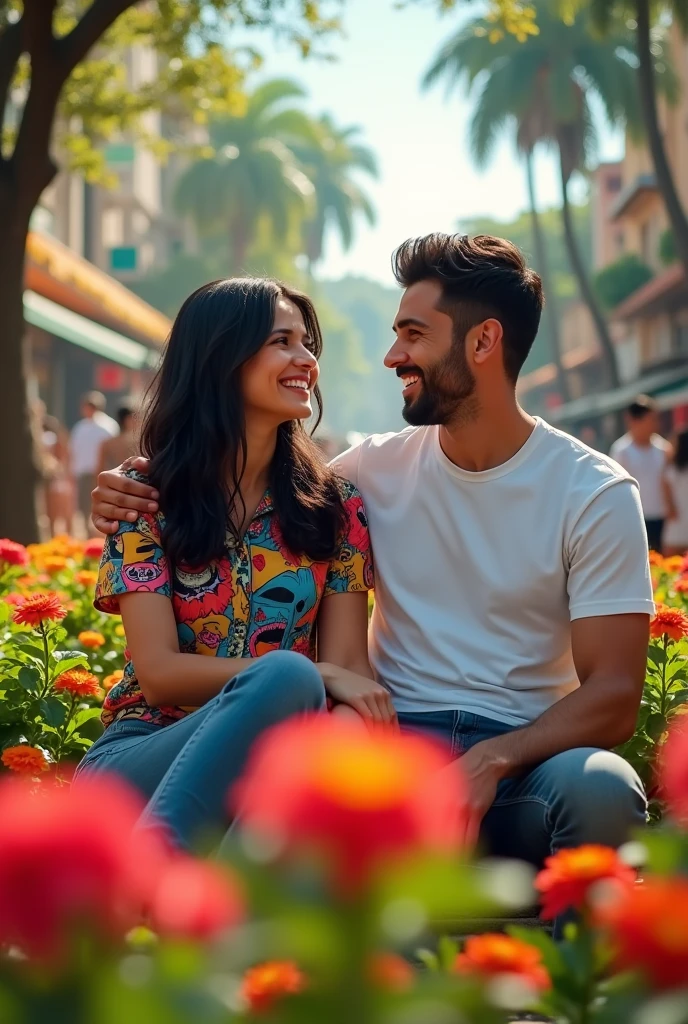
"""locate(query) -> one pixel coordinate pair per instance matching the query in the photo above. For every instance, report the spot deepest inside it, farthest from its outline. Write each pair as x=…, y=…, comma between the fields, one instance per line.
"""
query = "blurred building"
x=650, y=326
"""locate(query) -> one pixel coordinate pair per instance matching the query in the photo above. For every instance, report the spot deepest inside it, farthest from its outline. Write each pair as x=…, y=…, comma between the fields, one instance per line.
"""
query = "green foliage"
x=667, y=247
x=618, y=280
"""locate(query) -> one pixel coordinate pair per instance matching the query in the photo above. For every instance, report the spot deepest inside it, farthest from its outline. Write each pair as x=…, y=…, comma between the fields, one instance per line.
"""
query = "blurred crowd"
x=71, y=460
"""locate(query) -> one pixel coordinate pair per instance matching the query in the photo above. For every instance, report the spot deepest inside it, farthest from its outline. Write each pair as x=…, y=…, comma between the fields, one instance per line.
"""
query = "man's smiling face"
x=437, y=382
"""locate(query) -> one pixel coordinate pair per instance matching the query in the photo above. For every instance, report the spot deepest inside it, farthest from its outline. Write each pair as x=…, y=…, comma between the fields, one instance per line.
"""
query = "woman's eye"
x=281, y=341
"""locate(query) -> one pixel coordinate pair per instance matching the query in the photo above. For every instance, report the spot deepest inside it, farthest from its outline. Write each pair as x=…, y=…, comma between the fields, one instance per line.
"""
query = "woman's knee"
x=288, y=678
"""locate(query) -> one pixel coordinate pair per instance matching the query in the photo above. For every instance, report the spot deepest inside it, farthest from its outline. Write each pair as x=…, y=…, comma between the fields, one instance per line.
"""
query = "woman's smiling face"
x=277, y=382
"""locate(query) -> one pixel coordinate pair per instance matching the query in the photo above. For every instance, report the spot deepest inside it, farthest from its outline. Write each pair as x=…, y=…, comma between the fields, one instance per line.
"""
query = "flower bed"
x=346, y=861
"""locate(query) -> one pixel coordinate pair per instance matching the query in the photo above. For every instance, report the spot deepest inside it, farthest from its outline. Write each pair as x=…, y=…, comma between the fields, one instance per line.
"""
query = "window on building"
x=112, y=228
x=123, y=257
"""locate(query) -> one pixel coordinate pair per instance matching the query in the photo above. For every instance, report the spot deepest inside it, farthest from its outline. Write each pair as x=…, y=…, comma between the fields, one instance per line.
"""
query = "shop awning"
x=55, y=319
x=611, y=401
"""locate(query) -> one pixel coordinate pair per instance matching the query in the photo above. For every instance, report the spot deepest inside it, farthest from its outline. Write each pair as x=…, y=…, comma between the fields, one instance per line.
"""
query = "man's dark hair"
x=481, y=278
x=640, y=407
x=124, y=411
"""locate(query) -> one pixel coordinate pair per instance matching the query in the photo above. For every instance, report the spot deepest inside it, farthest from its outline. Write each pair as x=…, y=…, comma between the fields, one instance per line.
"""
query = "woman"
x=257, y=548
x=676, y=484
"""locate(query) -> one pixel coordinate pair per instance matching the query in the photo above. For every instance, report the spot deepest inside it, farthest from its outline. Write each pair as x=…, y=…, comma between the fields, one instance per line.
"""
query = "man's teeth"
x=295, y=384
x=407, y=381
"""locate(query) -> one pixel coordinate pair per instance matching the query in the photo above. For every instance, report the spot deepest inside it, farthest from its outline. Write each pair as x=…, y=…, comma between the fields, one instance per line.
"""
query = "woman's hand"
x=368, y=698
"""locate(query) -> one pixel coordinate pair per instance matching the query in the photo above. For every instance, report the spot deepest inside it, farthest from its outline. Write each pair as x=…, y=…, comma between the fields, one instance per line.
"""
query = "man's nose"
x=396, y=356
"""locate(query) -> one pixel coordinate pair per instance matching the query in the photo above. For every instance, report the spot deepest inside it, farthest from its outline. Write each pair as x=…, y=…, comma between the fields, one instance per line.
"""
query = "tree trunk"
x=648, y=101
x=18, y=464
x=551, y=311
x=585, y=285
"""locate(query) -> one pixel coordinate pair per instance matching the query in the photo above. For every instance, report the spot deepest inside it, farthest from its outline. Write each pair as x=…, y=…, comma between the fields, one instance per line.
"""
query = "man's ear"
x=486, y=340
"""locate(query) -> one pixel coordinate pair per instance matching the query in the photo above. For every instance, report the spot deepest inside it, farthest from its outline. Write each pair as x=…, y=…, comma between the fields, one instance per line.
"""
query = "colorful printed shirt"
x=258, y=597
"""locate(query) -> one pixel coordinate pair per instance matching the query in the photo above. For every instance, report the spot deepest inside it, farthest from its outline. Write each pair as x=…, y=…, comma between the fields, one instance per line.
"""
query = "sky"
x=427, y=180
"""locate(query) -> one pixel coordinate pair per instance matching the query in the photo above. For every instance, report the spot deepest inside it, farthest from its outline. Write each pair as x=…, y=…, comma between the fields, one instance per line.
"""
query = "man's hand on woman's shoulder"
x=117, y=498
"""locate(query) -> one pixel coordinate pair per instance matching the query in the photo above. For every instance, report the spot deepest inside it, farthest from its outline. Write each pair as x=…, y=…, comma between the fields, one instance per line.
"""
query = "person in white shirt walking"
x=86, y=439
x=512, y=588
x=645, y=454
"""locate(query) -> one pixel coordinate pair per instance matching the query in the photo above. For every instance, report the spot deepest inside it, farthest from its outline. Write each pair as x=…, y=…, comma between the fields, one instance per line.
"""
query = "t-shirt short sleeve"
x=609, y=571
x=133, y=561
x=352, y=567
x=346, y=465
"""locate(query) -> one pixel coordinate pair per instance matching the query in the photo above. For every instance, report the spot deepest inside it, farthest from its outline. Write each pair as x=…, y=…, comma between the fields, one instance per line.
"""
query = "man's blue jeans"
x=186, y=770
x=584, y=795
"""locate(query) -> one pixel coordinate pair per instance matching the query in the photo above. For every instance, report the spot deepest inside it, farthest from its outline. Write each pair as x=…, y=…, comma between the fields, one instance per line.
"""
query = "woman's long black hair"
x=195, y=437
x=681, y=452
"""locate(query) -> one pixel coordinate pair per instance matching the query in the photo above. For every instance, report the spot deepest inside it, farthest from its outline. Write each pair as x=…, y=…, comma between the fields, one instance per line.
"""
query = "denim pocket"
x=116, y=736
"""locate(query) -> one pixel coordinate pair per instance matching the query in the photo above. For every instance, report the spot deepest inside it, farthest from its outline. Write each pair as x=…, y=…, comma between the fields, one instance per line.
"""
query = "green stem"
x=662, y=704
x=63, y=733
x=46, y=660
x=354, y=1004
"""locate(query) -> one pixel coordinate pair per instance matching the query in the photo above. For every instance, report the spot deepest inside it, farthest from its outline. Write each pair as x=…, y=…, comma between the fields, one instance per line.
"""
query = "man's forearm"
x=601, y=713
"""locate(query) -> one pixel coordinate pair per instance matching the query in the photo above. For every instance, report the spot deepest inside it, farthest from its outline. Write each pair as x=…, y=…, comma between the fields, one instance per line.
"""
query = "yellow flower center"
x=362, y=776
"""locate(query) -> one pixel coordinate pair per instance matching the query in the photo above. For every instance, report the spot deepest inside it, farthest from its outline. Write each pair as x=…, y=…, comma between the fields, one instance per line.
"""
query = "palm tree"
x=330, y=157
x=541, y=90
x=253, y=173
x=653, y=72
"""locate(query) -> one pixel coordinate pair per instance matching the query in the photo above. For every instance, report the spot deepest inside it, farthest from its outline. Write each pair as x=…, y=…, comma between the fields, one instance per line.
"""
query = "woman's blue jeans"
x=584, y=795
x=186, y=770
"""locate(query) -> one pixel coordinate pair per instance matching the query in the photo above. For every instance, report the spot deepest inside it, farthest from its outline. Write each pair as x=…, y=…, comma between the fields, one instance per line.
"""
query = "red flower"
x=12, y=553
x=14, y=599
x=38, y=608
x=264, y=984
x=674, y=772
x=391, y=972
x=71, y=854
x=647, y=926
x=94, y=548
x=669, y=622
x=78, y=682
x=569, y=875
x=196, y=899
x=492, y=956
x=362, y=798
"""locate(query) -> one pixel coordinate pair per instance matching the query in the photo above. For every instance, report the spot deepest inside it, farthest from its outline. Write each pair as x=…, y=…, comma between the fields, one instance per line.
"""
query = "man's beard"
x=446, y=392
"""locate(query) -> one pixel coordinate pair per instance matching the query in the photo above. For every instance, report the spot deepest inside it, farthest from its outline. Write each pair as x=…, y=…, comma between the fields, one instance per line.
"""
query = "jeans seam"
x=512, y=801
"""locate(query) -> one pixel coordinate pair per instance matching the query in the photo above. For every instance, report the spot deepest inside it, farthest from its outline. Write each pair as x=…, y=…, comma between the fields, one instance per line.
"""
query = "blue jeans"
x=585, y=795
x=186, y=770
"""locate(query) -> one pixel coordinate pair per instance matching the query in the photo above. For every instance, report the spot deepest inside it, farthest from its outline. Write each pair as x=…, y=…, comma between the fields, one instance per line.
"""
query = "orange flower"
x=77, y=682
x=25, y=759
x=361, y=798
x=94, y=548
x=674, y=563
x=86, y=577
x=54, y=564
x=492, y=955
x=647, y=926
x=196, y=899
x=264, y=984
x=391, y=972
x=112, y=680
x=669, y=622
x=674, y=772
x=681, y=585
x=656, y=559
x=12, y=553
x=91, y=638
x=38, y=608
x=569, y=875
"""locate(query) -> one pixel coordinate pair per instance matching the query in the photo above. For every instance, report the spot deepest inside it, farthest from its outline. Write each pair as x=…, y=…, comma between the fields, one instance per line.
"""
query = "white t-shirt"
x=676, y=530
x=478, y=575
x=86, y=438
x=646, y=464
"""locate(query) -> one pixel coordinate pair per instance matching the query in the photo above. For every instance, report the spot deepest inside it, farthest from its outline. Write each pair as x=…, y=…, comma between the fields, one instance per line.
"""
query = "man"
x=644, y=454
x=512, y=582
x=86, y=438
x=115, y=450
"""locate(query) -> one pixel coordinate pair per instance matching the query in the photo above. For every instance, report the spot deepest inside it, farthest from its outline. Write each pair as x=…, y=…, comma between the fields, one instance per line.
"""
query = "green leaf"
x=656, y=654
x=78, y=661
x=29, y=679
x=32, y=649
x=429, y=959
x=656, y=725
x=11, y=734
x=53, y=711
x=447, y=951
x=551, y=953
